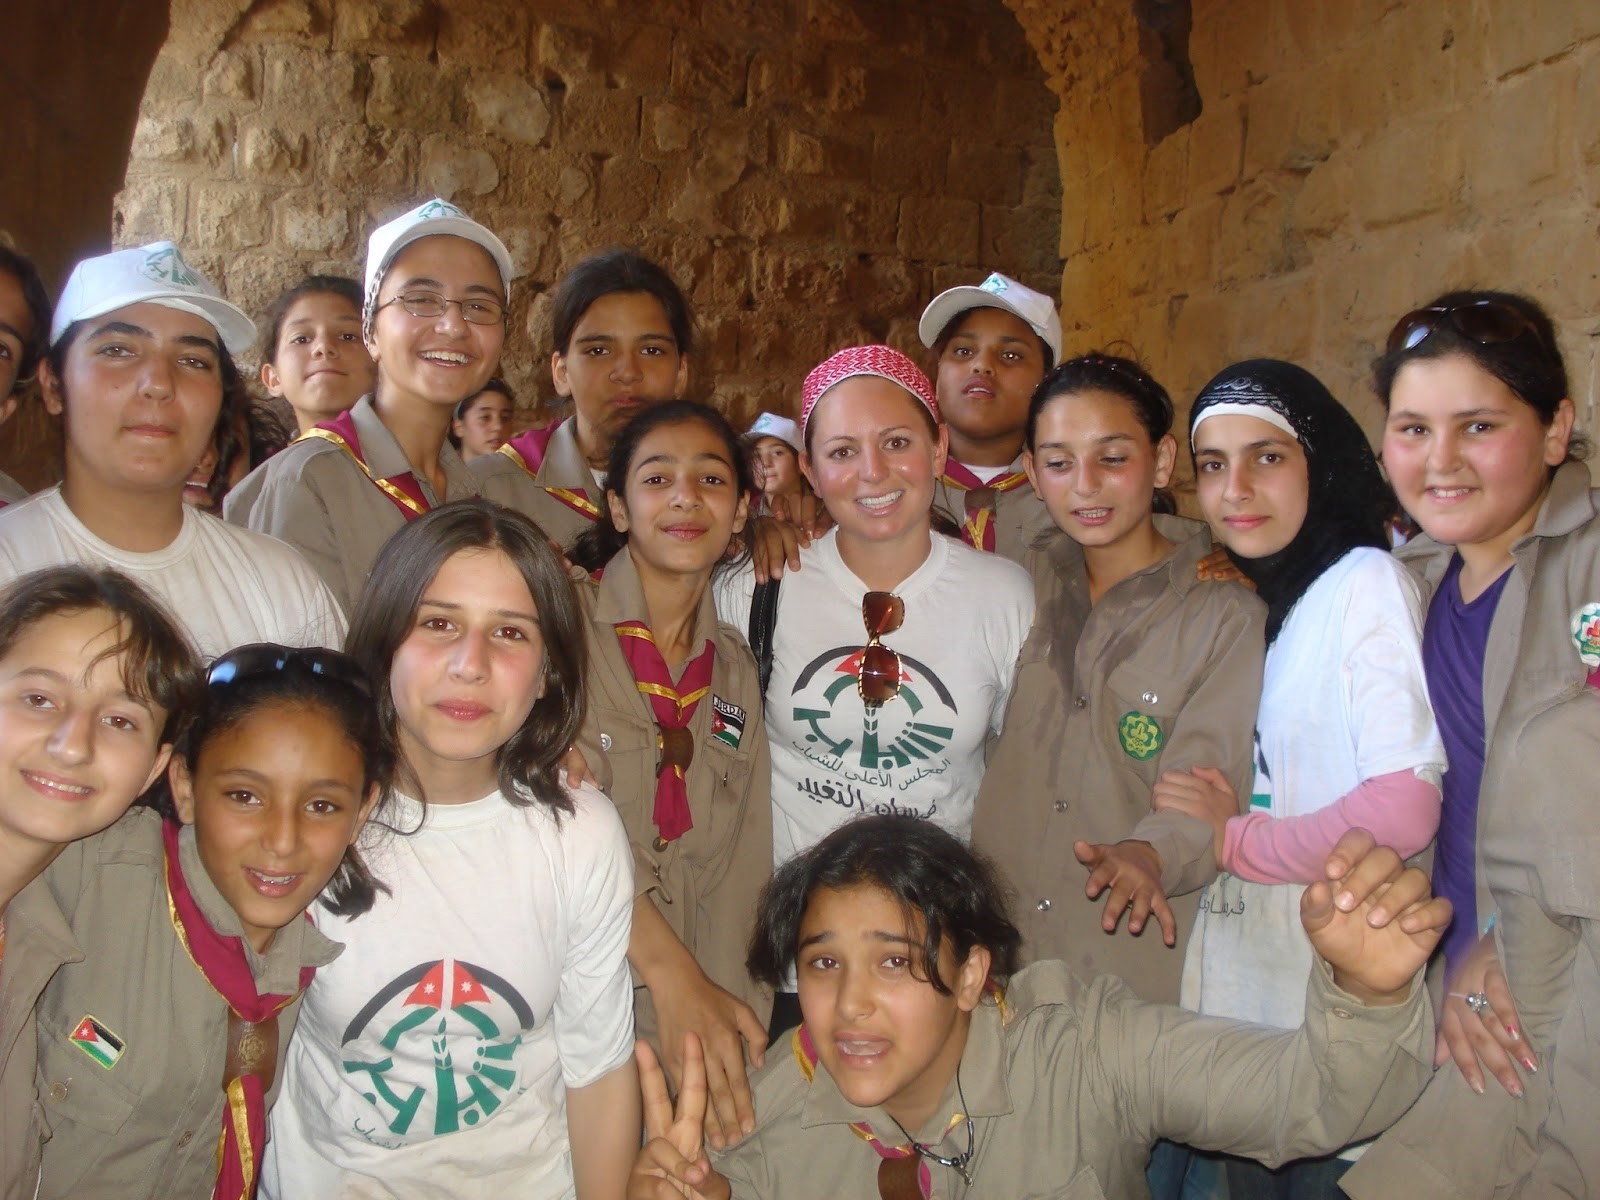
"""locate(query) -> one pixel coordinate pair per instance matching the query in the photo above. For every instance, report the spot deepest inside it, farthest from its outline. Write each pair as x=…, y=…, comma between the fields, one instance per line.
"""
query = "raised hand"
x=723, y=1026
x=1373, y=919
x=672, y=1162
x=1131, y=872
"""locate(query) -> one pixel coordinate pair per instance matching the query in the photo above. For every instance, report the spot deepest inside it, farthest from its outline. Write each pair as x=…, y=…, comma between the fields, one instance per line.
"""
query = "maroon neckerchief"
x=980, y=498
x=403, y=489
x=252, y=1056
x=527, y=451
x=673, y=707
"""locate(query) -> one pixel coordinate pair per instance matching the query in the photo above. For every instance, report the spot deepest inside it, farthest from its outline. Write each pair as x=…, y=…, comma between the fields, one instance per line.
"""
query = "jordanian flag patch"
x=98, y=1042
x=727, y=722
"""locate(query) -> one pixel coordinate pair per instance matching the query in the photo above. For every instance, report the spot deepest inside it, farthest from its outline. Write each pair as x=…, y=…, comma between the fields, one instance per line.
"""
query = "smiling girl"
x=438, y=285
x=476, y=1033
x=928, y=1066
x=95, y=679
x=159, y=1051
x=1345, y=737
x=1133, y=667
x=313, y=356
x=1480, y=446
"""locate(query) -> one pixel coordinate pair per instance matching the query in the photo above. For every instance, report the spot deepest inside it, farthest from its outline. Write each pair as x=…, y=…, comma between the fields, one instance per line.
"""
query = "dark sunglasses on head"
x=265, y=658
x=1488, y=322
x=878, y=675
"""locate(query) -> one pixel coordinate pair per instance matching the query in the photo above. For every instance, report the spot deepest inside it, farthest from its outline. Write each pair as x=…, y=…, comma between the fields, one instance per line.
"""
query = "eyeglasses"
x=1488, y=322
x=878, y=674
x=477, y=311
x=264, y=658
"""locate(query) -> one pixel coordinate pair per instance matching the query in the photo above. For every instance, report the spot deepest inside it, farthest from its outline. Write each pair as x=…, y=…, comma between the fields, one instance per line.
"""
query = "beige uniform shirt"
x=1018, y=515
x=506, y=481
x=1539, y=872
x=1163, y=673
x=37, y=943
x=148, y=1125
x=317, y=498
x=705, y=883
x=1072, y=1086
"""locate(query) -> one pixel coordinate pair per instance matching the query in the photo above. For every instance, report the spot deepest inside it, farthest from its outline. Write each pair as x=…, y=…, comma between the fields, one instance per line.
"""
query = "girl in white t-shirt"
x=474, y=1039
x=1344, y=735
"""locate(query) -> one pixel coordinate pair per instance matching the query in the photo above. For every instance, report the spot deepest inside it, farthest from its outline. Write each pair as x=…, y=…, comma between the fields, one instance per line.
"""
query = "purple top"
x=1454, y=639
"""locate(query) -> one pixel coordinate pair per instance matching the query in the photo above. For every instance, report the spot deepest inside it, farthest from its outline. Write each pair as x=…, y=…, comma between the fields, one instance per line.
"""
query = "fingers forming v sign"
x=673, y=1161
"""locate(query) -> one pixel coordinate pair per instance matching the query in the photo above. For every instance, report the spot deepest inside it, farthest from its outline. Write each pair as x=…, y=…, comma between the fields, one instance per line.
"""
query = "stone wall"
x=1351, y=159
x=812, y=171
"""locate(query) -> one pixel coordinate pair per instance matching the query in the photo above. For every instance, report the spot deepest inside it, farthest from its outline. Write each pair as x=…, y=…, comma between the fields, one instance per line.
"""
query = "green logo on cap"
x=167, y=266
x=1141, y=737
x=438, y=208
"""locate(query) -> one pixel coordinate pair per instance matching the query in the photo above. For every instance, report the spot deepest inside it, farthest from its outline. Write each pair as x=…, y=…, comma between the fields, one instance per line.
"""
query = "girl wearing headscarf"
x=1345, y=736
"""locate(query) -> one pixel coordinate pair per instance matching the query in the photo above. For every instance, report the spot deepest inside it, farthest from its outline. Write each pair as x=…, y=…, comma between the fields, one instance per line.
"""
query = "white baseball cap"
x=435, y=218
x=153, y=274
x=773, y=426
x=1036, y=309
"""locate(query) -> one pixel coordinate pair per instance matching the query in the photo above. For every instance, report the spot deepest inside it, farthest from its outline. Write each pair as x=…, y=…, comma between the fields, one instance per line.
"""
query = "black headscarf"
x=1349, y=499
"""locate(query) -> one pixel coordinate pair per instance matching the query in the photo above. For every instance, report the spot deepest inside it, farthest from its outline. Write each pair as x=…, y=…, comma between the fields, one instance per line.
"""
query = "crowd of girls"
x=638, y=805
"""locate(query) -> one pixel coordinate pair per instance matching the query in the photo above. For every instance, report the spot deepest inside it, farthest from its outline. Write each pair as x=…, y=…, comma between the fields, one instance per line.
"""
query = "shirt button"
x=1061, y=806
x=1081, y=702
x=185, y=1138
x=605, y=741
x=1043, y=905
x=1149, y=697
x=1344, y=1014
x=58, y=1092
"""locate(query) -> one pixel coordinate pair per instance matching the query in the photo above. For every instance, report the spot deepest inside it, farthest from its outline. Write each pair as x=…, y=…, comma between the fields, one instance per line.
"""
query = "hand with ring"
x=1479, y=1026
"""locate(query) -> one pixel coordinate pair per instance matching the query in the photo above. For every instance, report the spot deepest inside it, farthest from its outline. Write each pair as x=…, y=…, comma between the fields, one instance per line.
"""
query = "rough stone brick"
x=377, y=161
x=274, y=151
x=1019, y=239
x=231, y=76
x=1165, y=172
x=986, y=172
x=1407, y=173
x=313, y=223
x=1512, y=141
x=599, y=120
x=293, y=74
x=1522, y=35
x=510, y=107
x=484, y=35
x=628, y=189
x=306, y=22
x=938, y=228
x=910, y=162
x=149, y=210
x=402, y=28
x=450, y=169
x=640, y=58
x=714, y=71
x=411, y=95
x=1216, y=141
x=227, y=217
x=572, y=55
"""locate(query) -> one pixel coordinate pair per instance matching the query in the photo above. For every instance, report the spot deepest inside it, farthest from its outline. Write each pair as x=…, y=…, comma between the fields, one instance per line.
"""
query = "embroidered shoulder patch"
x=1140, y=735
x=727, y=722
x=1586, y=633
x=98, y=1042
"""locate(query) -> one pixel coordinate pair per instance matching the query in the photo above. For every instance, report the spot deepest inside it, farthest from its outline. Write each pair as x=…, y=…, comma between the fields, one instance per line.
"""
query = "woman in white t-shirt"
x=475, y=1038
x=895, y=647
x=1345, y=736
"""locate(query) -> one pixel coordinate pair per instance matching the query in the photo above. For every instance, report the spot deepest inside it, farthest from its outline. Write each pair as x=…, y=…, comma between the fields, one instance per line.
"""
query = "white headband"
x=1232, y=408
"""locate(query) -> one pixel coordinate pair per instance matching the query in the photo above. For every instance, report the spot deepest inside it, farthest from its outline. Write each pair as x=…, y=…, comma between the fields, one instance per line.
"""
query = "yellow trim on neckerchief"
x=384, y=485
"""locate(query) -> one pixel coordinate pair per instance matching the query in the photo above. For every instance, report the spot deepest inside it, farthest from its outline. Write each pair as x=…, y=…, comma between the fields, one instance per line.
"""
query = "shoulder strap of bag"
x=763, y=621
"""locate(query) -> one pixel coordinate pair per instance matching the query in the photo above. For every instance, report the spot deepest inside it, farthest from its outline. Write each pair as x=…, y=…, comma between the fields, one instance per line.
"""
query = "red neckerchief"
x=223, y=963
x=402, y=489
x=527, y=451
x=673, y=707
x=977, y=530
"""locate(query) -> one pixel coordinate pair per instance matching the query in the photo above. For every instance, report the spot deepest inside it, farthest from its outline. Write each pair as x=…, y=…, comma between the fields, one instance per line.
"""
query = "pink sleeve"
x=1400, y=809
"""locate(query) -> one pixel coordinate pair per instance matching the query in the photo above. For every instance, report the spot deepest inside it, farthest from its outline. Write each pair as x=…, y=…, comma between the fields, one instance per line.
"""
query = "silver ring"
x=1478, y=1002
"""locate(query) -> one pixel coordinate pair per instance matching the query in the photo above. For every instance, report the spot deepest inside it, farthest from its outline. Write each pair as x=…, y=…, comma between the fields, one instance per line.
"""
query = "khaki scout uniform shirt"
x=705, y=883
x=1069, y=1091
x=1539, y=872
x=1018, y=515
x=37, y=943
x=506, y=481
x=1163, y=673
x=148, y=1125
x=317, y=498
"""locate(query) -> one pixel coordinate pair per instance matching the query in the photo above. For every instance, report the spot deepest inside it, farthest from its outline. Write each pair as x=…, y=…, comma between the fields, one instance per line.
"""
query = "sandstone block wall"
x=1352, y=159
x=811, y=171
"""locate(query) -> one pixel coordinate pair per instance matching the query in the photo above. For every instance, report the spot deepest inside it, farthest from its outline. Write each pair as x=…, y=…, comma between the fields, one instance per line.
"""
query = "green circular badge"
x=1141, y=736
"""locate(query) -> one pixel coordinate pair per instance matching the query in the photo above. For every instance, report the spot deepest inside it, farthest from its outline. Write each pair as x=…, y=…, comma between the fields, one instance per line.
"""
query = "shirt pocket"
x=85, y=1107
x=1141, y=706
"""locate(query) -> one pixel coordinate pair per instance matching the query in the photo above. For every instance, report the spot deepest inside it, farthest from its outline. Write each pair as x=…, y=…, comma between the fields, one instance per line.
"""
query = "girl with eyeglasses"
x=894, y=646
x=95, y=681
x=1344, y=735
x=434, y=320
x=675, y=733
x=160, y=1049
x=1480, y=445
x=1134, y=667
x=474, y=1039
x=929, y=1065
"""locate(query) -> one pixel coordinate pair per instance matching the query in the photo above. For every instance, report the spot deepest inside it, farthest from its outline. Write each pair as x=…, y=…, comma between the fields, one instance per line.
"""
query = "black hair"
x=386, y=613
x=160, y=666
x=312, y=285
x=927, y=870
x=352, y=889
x=20, y=267
x=497, y=385
x=610, y=272
x=597, y=544
x=954, y=324
x=1529, y=364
